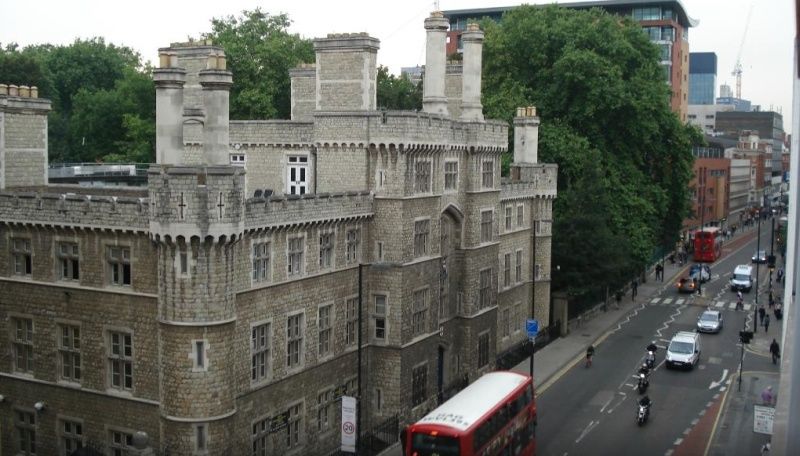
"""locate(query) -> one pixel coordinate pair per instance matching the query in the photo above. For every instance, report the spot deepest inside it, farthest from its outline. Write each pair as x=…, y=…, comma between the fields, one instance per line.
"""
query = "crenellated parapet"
x=541, y=182
x=70, y=210
x=296, y=210
x=196, y=202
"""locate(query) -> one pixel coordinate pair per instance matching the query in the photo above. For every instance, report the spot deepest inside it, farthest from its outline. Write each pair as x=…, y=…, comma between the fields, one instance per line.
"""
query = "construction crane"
x=737, y=67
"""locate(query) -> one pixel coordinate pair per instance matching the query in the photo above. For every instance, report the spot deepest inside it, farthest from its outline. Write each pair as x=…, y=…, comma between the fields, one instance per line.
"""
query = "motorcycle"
x=643, y=414
x=651, y=359
x=643, y=383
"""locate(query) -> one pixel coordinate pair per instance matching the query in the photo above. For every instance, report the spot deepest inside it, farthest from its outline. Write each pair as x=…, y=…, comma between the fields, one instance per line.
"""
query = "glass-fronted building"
x=702, y=77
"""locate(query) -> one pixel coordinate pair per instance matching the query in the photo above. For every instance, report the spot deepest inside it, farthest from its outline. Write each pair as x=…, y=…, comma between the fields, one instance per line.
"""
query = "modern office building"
x=702, y=78
x=666, y=22
x=704, y=116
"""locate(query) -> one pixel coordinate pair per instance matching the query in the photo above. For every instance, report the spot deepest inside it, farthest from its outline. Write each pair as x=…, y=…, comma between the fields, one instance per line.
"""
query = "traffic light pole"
x=758, y=262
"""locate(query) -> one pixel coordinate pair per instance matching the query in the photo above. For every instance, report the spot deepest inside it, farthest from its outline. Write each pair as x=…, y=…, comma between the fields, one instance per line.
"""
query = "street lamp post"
x=358, y=402
x=758, y=263
x=703, y=231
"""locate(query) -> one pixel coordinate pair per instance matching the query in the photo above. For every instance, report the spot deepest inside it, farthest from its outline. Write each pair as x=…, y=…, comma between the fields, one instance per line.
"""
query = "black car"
x=760, y=257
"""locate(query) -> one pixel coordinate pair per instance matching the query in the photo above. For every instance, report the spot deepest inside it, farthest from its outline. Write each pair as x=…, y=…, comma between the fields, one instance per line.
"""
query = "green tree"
x=260, y=52
x=624, y=158
x=397, y=93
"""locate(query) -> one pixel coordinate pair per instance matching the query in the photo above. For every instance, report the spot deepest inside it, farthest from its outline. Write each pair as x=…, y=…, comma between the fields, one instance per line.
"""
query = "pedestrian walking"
x=618, y=297
x=771, y=300
x=766, y=323
x=780, y=274
x=761, y=312
x=634, y=289
x=767, y=396
x=775, y=350
x=765, y=449
x=659, y=272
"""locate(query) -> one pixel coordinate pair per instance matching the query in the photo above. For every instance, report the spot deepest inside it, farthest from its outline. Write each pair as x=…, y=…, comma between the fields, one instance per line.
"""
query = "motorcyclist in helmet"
x=652, y=347
x=645, y=402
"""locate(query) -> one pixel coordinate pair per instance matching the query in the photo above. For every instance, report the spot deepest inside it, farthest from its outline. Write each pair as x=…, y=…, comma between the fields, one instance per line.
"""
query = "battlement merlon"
x=540, y=181
x=295, y=210
x=196, y=201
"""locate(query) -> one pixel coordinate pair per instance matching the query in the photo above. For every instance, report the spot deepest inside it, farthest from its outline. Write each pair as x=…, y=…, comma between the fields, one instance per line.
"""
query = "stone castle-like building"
x=217, y=309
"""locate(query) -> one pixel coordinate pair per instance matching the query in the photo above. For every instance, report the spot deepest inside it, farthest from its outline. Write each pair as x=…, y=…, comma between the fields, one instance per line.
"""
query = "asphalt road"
x=591, y=411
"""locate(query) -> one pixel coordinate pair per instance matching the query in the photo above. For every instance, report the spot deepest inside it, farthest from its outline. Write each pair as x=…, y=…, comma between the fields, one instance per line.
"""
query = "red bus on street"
x=708, y=244
x=495, y=415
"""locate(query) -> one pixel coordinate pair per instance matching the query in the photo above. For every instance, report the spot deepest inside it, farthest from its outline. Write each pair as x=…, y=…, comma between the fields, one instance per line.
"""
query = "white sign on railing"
x=763, y=418
x=349, y=424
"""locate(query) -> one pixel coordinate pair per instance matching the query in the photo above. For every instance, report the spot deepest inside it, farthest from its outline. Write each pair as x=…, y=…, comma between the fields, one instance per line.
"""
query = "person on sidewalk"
x=765, y=449
x=634, y=289
x=659, y=272
x=775, y=350
x=618, y=298
x=589, y=355
x=761, y=312
x=771, y=300
x=767, y=396
x=766, y=323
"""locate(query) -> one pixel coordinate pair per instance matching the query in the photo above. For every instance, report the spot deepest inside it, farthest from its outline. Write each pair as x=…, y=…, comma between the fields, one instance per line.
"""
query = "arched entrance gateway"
x=450, y=286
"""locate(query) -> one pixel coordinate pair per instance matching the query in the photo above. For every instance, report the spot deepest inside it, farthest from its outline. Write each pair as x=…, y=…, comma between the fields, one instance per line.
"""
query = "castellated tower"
x=23, y=136
x=346, y=72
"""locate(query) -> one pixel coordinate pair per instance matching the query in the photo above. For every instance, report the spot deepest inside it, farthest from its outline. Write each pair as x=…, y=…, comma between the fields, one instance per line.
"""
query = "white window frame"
x=331, y=324
x=518, y=266
x=68, y=254
x=238, y=158
x=261, y=260
x=329, y=251
x=520, y=215
x=326, y=418
x=295, y=423
x=419, y=312
x=452, y=174
x=487, y=236
x=376, y=316
x=301, y=165
x=422, y=234
x=264, y=351
x=508, y=217
x=122, y=358
x=487, y=179
x=70, y=351
x=507, y=270
x=300, y=339
x=421, y=184
x=351, y=321
x=484, y=290
x=68, y=440
x=22, y=255
x=353, y=245
x=116, y=265
x=301, y=267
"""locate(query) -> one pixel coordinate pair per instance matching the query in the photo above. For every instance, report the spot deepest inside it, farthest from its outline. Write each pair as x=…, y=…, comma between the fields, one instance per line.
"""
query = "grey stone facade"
x=216, y=309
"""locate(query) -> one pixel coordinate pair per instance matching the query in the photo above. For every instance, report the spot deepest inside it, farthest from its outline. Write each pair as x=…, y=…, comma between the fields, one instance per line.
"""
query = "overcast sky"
x=146, y=25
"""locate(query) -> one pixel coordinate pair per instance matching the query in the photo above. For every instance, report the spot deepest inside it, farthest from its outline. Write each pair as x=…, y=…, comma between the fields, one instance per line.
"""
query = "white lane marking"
x=719, y=304
x=687, y=431
x=655, y=300
x=695, y=421
x=587, y=429
x=669, y=452
x=721, y=380
x=606, y=404
x=747, y=307
x=732, y=306
x=679, y=301
x=667, y=300
x=677, y=442
x=622, y=397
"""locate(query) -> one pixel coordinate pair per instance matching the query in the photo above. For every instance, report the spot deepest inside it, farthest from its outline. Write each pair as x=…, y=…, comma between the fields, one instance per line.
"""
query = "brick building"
x=217, y=309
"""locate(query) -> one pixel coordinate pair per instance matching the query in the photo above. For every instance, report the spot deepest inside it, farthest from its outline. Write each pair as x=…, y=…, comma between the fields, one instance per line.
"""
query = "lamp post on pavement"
x=758, y=263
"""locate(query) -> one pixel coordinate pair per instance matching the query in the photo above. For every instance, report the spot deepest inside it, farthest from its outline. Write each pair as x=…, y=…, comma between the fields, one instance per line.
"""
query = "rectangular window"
x=295, y=255
x=505, y=322
x=69, y=350
x=421, y=232
x=519, y=318
x=520, y=216
x=21, y=253
x=419, y=384
x=450, y=175
x=325, y=330
x=184, y=260
x=351, y=316
x=379, y=248
x=261, y=251
x=353, y=246
x=488, y=174
x=485, y=288
x=418, y=318
x=483, y=349
x=507, y=270
x=294, y=426
x=325, y=410
x=260, y=438
x=259, y=352
x=119, y=263
x=379, y=317
x=120, y=360
x=71, y=436
x=22, y=344
x=297, y=175
x=238, y=159
x=25, y=422
x=378, y=400
x=325, y=250
x=200, y=437
x=486, y=226
x=68, y=261
x=294, y=340
x=422, y=176
x=509, y=210
x=200, y=354
x=120, y=443
x=518, y=267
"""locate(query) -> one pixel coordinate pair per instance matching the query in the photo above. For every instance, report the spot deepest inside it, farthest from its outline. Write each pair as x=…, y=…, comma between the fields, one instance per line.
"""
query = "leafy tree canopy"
x=260, y=52
x=397, y=93
x=624, y=158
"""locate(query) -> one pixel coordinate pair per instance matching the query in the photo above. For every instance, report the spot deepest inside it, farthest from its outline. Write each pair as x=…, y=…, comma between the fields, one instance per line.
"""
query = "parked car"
x=760, y=257
x=710, y=321
x=686, y=285
x=701, y=272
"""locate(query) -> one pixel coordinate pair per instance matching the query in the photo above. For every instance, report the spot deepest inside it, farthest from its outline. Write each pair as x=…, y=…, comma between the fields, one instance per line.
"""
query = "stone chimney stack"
x=169, y=82
x=471, y=108
x=216, y=82
x=526, y=136
x=434, y=100
x=23, y=136
x=346, y=72
x=304, y=91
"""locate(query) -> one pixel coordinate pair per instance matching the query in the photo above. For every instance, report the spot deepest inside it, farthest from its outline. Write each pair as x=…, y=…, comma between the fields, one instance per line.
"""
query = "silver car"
x=710, y=321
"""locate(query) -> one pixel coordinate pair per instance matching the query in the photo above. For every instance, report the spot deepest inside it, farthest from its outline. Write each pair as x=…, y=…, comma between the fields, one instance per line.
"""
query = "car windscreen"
x=742, y=277
x=430, y=445
x=682, y=348
x=708, y=317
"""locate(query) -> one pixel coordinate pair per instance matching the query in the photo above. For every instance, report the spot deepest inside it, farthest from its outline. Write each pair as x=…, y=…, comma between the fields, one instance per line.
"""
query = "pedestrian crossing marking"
x=667, y=300
x=732, y=306
x=679, y=301
x=655, y=300
x=719, y=304
x=748, y=306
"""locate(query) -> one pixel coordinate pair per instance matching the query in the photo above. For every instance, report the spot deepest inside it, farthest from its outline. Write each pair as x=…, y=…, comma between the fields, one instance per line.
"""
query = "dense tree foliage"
x=260, y=52
x=103, y=98
x=397, y=93
x=624, y=158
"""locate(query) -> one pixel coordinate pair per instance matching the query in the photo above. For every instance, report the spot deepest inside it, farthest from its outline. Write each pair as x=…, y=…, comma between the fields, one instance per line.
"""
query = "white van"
x=683, y=350
x=742, y=278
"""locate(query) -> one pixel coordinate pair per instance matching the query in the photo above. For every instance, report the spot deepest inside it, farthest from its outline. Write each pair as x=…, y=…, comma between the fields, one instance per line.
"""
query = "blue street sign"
x=532, y=328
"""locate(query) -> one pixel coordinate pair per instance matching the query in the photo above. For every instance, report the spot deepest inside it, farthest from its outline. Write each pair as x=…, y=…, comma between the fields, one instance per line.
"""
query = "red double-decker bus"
x=707, y=244
x=495, y=415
